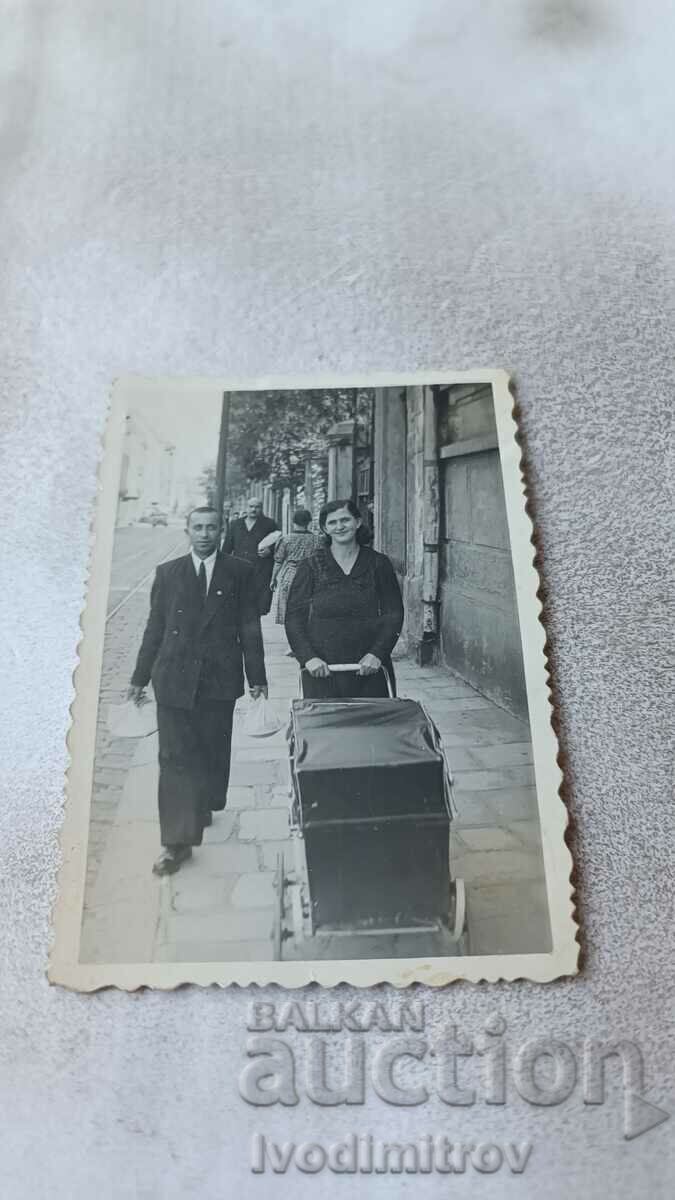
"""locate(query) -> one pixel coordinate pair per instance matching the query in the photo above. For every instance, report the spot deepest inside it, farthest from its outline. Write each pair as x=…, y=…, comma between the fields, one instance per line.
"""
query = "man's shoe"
x=171, y=859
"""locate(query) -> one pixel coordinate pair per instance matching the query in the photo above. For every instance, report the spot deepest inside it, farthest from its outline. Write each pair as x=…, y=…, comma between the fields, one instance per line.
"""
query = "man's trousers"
x=194, y=767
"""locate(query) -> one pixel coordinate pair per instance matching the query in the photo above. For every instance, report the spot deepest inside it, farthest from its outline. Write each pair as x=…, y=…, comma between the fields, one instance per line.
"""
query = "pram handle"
x=344, y=666
x=352, y=668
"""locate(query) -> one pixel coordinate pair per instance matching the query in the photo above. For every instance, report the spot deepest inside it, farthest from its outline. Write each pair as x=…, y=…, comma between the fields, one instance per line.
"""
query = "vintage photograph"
x=312, y=734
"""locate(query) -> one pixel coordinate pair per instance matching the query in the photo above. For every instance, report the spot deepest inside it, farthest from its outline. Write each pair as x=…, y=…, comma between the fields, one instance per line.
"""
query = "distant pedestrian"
x=344, y=606
x=242, y=540
x=288, y=553
x=203, y=628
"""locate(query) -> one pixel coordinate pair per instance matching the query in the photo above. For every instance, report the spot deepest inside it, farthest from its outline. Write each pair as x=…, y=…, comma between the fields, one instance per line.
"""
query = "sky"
x=188, y=417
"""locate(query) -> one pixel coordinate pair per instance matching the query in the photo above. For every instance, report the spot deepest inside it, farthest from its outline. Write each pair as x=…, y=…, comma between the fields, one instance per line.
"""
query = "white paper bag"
x=261, y=719
x=128, y=720
x=270, y=540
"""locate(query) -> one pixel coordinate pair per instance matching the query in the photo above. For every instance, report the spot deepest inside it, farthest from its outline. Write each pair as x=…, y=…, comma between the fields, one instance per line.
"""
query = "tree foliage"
x=273, y=434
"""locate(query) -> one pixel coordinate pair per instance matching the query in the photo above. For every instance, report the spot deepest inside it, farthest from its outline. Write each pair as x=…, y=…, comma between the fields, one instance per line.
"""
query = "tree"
x=273, y=434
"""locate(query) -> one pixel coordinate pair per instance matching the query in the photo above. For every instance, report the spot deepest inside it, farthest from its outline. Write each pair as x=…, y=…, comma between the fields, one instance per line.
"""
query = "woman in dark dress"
x=344, y=606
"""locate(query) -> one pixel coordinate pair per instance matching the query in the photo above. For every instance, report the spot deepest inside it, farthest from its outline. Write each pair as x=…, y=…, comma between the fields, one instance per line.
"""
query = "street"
x=137, y=550
x=224, y=904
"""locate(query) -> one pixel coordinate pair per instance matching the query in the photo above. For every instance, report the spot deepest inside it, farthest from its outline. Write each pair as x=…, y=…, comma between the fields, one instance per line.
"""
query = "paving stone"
x=227, y=925
x=281, y=793
x=510, y=754
x=194, y=891
x=503, y=899
x=273, y=797
x=460, y=758
x=491, y=717
x=233, y=857
x=223, y=827
x=460, y=704
x=472, y=810
x=264, y=826
x=497, y=866
x=498, y=777
x=270, y=852
x=515, y=934
x=263, y=752
x=512, y=804
x=455, y=734
x=255, y=890
x=439, y=691
x=240, y=797
x=246, y=774
x=216, y=952
x=488, y=838
x=528, y=832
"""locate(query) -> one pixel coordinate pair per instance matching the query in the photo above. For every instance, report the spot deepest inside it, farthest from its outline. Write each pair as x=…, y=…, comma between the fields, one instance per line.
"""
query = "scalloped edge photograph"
x=378, y=697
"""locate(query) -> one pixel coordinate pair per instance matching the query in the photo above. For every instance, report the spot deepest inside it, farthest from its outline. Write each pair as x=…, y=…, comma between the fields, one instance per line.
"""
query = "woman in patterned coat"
x=344, y=606
x=289, y=552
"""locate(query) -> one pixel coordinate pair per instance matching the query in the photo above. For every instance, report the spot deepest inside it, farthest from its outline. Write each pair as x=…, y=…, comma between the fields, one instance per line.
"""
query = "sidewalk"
x=223, y=905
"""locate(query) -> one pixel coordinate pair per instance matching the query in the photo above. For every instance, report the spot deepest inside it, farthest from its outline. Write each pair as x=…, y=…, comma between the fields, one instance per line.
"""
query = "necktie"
x=201, y=578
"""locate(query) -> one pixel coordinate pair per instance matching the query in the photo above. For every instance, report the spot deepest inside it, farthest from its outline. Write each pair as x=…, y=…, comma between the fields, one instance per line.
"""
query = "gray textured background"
x=251, y=186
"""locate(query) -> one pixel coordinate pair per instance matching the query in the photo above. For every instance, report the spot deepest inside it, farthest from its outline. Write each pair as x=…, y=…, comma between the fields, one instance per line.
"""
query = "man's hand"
x=317, y=668
x=369, y=664
x=137, y=694
x=258, y=689
x=265, y=552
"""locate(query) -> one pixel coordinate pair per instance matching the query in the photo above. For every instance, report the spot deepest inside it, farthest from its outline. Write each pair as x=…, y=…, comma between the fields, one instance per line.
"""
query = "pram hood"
x=343, y=734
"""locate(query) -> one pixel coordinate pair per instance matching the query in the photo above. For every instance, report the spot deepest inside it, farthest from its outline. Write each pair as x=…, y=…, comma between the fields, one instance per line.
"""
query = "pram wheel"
x=458, y=923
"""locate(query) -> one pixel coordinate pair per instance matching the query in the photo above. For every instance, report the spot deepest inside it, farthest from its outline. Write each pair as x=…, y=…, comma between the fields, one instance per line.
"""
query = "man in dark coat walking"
x=203, y=628
x=242, y=539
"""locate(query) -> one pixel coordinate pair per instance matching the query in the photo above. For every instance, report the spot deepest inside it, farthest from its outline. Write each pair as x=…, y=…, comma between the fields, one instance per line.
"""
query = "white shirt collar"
x=209, y=564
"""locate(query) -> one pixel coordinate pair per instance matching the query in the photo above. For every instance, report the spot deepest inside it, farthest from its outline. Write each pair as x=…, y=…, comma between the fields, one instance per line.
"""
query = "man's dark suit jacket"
x=243, y=543
x=189, y=646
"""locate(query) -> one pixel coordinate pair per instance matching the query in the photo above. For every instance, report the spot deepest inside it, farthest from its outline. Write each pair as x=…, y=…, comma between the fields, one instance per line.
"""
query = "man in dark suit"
x=203, y=628
x=242, y=539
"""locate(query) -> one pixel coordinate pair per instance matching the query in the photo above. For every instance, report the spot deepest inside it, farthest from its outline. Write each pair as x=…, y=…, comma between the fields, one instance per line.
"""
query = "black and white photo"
x=312, y=736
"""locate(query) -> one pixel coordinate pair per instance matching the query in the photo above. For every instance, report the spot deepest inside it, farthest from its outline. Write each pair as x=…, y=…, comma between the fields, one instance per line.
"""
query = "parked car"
x=154, y=518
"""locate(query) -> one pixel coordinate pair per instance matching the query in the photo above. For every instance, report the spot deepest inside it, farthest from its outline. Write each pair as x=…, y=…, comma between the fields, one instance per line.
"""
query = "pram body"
x=371, y=809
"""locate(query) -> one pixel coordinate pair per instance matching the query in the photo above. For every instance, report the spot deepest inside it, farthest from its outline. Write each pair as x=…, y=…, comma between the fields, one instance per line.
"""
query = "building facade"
x=440, y=515
x=147, y=473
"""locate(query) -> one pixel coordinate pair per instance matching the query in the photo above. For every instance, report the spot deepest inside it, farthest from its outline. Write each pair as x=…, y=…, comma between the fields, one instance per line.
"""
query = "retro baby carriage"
x=371, y=807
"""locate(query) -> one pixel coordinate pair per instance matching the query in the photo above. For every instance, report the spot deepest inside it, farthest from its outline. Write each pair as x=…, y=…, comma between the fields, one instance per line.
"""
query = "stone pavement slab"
x=264, y=825
x=223, y=827
x=227, y=925
x=214, y=952
x=269, y=853
x=487, y=838
x=497, y=777
x=256, y=890
x=194, y=891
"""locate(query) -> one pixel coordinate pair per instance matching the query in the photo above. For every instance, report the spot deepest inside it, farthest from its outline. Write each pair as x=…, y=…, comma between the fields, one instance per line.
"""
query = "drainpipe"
x=431, y=511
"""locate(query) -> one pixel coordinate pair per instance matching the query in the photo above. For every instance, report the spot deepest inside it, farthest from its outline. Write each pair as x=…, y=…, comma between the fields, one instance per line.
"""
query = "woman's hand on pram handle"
x=317, y=668
x=369, y=665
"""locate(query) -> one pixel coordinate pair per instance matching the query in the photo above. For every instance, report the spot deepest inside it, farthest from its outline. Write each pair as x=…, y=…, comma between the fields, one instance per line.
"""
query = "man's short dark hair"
x=201, y=509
